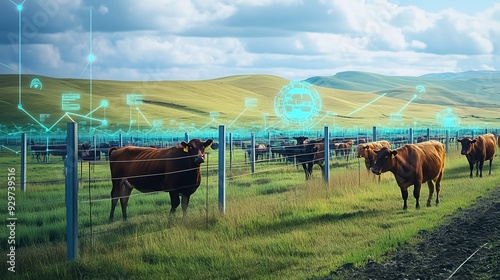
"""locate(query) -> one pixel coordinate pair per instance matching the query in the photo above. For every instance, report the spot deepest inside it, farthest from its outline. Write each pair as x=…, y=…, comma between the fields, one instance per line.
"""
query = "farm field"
x=276, y=225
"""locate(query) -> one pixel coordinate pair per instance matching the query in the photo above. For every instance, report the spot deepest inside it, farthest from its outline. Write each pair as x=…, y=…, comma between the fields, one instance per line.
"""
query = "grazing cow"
x=175, y=170
x=311, y=152
x=479, y=150
x=366, y=151
x=344, y=149
x=414, y=164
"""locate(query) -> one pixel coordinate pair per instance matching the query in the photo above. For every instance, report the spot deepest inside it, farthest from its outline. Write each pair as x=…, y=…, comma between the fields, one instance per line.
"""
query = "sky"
x=205, y=39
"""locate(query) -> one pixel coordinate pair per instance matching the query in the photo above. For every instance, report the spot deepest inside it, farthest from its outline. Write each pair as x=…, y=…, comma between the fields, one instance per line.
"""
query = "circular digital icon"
x=298, y=103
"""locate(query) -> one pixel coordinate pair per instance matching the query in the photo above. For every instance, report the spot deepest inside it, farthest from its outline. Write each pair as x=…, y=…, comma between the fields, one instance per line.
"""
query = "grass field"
x=276, y=225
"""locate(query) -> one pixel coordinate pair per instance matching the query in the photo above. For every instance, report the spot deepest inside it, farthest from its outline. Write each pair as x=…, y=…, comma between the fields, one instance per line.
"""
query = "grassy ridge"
x=275, y=226
x=189, y=103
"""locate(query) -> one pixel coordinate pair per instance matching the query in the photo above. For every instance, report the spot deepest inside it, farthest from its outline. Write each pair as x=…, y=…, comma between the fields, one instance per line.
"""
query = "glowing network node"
x=90, y=57
x=104, y=123
x=420, y=88
x=447, y=118
x=298, y=103
x=19, y=7
x=104, y=103
x=36, y=84
x=19, y=106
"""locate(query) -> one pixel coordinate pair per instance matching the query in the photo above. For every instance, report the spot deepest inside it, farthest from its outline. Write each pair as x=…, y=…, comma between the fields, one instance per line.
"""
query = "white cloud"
x=103, y=10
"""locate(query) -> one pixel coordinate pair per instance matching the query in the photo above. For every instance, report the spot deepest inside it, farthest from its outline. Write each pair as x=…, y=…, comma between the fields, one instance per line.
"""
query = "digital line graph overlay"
x=68, y=101
x=366, y=105
x=249, y=103
x=398, y=116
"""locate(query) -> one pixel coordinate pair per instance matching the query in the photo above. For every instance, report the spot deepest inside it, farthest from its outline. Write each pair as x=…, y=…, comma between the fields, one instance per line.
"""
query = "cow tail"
x=111, y=150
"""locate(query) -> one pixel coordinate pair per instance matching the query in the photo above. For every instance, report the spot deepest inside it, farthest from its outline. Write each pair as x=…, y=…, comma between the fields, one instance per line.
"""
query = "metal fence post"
x=24, y=150
x=252, y=153
x=327, y=155
x=222, y=169
x=71, y=166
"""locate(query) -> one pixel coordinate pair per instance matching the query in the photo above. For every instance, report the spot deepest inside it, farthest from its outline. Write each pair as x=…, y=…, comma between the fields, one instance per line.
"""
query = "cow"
x=42, y=151
x=344, y=149
x=479, y=150
x=175, y=170
x=311, y=152
x=414, y=164
x=366, y=151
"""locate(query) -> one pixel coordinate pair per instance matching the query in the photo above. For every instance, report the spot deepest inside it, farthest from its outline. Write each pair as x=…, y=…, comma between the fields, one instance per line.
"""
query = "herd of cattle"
x=177, y=169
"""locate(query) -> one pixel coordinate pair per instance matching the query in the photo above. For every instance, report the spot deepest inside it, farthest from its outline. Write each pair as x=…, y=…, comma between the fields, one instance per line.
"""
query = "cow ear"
x=208, y=143
x=185, y=146
x=473, y=141
x=459, y=140
x=393, y=154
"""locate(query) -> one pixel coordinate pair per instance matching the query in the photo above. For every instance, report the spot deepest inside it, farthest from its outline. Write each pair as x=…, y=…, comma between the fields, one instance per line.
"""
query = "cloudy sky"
x=203, y=39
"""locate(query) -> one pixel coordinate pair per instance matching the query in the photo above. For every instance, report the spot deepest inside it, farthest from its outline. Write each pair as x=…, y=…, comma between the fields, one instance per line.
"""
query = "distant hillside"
x=202, y=105
x=472, y=88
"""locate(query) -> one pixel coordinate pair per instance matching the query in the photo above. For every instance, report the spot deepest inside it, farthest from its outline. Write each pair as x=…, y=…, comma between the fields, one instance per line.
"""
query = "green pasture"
x=276, y=225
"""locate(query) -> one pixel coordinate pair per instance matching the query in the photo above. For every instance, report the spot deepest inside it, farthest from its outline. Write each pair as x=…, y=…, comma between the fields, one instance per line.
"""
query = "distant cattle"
x=366, y=151
x=344, y=149
x=312, y=153
x=175, y=170
x=479, y=150
x=414, y=164
x=261, y=152
x=43, y=151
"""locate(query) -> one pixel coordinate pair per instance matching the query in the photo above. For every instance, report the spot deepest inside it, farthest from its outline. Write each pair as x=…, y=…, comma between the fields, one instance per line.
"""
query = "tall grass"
x=276, y=225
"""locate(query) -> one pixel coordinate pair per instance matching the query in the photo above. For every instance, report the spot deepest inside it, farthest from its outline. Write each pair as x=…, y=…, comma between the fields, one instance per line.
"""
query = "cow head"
x=385, y=160
x=361, y=150
x=467, y=145
x=196, y=149
x=300, y=139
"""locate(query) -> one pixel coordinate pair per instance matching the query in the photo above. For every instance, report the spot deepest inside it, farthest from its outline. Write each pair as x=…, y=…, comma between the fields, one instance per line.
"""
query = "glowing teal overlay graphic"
x=420, y=88
x=366, y=104
x=249, y=103
x=297, y=103
x=36, y=84
x=70, y=101
x=447, y=118
x=104, y=103
x=134, y=99
x=43, y=117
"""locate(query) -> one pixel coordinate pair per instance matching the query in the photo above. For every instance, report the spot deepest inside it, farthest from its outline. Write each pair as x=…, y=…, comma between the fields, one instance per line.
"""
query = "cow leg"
x=322, y=166
x=438, y=187
x=184, y=203
x=481, y=163
x=491, y=160
x=471, y=166
x=174, y=201
x=304, y=166
x=404, y=194
x=416, y=194
x=126, y=189
x=431, y=192
x=115, y=194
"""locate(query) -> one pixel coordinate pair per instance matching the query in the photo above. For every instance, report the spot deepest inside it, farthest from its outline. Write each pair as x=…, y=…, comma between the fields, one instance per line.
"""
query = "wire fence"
x=42, y=206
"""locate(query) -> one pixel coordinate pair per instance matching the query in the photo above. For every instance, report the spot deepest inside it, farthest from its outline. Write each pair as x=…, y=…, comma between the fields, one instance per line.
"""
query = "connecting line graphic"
x=366, y=104
x=212, y=121
x=406, y=105
x=9, y=149
x=7, y=66
x=237, y=117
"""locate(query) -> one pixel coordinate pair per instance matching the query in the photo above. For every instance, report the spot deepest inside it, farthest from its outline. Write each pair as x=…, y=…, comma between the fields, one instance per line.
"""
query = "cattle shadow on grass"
x=291, y=223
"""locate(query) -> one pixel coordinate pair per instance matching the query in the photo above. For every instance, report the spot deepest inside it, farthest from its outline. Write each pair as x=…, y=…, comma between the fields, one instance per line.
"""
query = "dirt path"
x=466, y=248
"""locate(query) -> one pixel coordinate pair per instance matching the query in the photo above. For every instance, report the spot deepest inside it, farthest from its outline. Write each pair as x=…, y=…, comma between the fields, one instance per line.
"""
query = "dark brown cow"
x=175, y=170
x=366, y=151
x=313, y=153
x=344, y=149
x=479, y=150
x=414, y=164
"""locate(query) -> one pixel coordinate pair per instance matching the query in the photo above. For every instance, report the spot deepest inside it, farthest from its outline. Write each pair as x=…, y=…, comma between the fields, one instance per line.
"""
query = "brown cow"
x=175, y=170
x=414, y=164
x=479, y=150
x=366, y=151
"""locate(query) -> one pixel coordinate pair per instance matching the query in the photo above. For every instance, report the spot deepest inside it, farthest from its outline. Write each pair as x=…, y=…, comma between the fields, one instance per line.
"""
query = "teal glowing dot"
x=105, y=123
x=19, y=7
x=90, y=57
x=19, y=106
x=104, y=103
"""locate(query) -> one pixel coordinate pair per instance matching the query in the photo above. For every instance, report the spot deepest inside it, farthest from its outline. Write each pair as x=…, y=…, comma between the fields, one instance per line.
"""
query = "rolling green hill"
x=188, y=105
